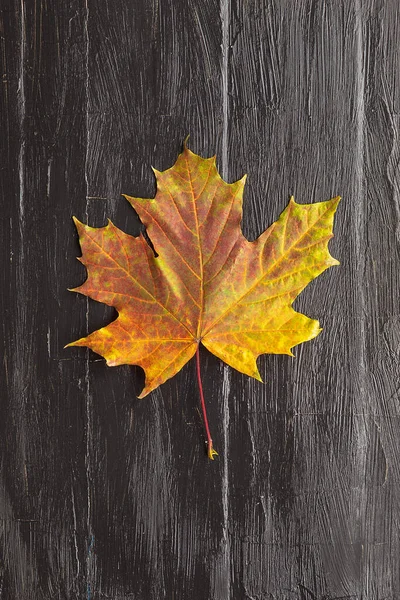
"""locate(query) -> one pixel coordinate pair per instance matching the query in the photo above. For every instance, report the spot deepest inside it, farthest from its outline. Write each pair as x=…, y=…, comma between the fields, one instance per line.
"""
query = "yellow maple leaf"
x=208, y=284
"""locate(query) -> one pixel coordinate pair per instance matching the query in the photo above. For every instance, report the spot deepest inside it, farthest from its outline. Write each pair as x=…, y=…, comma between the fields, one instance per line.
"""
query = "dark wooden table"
x=103, y=495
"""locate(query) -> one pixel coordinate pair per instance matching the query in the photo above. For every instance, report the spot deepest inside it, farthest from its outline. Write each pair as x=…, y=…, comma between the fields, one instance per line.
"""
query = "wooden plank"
x=314, y=450
x=42, y=418
x=381, y=570
x=155, y=503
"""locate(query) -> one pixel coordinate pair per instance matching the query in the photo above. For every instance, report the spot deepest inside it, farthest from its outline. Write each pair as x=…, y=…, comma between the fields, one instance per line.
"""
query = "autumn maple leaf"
x=208, y=284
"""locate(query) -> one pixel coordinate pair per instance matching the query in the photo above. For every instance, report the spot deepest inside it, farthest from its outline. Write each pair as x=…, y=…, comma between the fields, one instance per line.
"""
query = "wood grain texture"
x=106, y=496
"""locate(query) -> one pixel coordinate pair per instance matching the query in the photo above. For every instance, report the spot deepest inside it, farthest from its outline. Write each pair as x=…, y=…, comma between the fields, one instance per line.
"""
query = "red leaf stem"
x=210, y=450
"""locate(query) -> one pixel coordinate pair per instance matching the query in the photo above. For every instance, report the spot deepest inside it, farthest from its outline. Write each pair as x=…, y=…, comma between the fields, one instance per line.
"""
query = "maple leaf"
x=208, y=284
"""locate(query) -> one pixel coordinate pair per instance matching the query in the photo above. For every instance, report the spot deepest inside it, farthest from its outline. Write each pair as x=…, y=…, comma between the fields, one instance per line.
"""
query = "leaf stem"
x=211, y=452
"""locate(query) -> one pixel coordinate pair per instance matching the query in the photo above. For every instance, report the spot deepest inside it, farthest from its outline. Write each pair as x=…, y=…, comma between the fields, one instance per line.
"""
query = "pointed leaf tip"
x=77, y=222
x=258, y=376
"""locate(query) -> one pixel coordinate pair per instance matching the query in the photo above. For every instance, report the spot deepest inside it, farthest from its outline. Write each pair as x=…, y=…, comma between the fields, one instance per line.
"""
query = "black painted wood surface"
x=106, y=496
